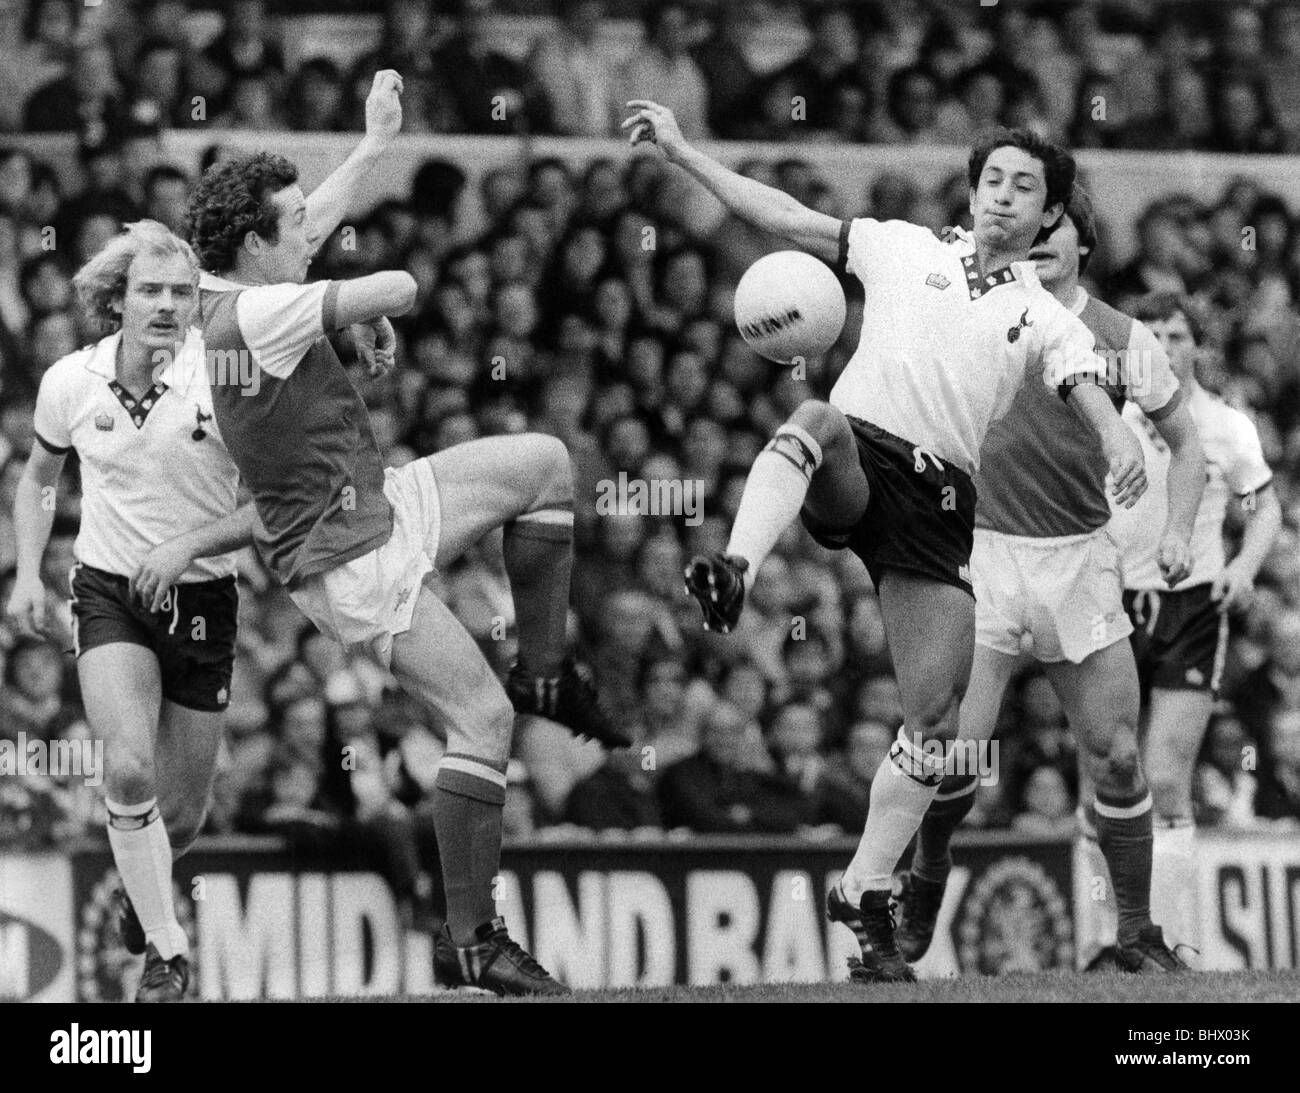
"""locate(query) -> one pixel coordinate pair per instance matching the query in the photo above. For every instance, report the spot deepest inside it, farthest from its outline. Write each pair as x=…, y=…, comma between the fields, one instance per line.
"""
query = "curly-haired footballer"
x=353, y=541
x=153, y=590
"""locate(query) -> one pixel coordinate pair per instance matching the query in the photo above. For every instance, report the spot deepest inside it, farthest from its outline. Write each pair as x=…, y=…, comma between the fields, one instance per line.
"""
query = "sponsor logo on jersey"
x=1013, y=335
x=938, y=280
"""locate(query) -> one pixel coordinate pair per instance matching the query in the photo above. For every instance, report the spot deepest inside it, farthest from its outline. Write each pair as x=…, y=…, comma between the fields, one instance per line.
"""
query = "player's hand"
x=161, y=569
x=1174, y=557
x=26, y=607
x=376, y=345
x=656, y=124
x=1232, y=589
x=1128, y=473
x=384, y=106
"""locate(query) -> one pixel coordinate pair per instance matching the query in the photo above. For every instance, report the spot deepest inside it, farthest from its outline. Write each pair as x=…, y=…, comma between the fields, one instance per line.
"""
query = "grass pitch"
x=1199, y=987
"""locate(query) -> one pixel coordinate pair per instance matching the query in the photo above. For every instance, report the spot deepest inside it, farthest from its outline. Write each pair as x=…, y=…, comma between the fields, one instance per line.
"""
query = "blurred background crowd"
x=595, y=307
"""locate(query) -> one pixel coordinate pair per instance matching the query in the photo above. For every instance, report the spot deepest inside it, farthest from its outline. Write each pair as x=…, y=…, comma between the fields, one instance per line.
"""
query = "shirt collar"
x=213, y=283
x=102, y=360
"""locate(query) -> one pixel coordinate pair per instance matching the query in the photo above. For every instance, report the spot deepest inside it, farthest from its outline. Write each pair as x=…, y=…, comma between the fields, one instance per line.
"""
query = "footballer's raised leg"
x=811, y=464
x=524, y=485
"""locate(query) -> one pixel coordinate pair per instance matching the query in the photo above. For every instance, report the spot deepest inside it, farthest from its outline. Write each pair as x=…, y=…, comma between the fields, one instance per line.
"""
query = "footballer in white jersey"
x=1180, y=635
x=951, y=331
x=153, y=592
x=1047, y=582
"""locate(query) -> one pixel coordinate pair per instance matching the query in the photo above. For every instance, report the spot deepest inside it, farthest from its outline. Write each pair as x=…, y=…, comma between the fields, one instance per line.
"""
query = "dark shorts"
x=1179, y=639
x=193, y=639
x=920, y=517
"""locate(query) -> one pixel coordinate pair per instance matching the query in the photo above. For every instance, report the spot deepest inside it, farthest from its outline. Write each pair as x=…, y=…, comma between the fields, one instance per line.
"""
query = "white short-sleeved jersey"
x=1234, y=467
x=145, y=479
x=943, y=349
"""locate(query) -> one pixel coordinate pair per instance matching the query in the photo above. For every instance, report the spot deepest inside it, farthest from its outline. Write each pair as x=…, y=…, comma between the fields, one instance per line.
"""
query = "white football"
x=789, y=306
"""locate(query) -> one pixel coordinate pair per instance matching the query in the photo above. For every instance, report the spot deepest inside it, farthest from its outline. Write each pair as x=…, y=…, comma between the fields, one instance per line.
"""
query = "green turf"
x=1041, y=987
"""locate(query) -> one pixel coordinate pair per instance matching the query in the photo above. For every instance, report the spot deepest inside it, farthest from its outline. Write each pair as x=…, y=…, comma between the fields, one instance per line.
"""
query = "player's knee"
x=130, y=776
x=935, y=714
x=484, y=727
x=550, y=459
x=183, y=828
x=1171, y=797
x=824, y=423
x=1120, y=769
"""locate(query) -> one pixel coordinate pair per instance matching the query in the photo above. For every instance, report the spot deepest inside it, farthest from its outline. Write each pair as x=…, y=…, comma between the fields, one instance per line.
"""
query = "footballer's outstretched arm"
x=374, y=296
x=334, y=198
x=763, y=206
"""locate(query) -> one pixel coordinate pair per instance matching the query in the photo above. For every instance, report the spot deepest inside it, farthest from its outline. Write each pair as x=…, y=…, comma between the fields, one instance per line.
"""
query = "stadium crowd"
x=595, y=308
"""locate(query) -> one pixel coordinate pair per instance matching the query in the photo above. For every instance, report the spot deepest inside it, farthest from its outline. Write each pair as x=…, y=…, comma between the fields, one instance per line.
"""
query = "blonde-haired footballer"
x=1180, y=635
x=153, y=591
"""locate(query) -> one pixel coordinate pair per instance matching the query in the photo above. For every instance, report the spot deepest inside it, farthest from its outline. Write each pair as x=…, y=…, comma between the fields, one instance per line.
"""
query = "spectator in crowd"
x=730, y=786
x=663, y=69
x=34, y=56
x=1279, y=780
x=823, y=67
x=1224, y=786
x=576, y=77
x=796, y=740
x=731, y=82
x=32, y=699
x=247, y=45
x=484, y=90
x=317, y=97
x=88, y=100
x=1046, y=807
x=404, y=46
x=166, y=191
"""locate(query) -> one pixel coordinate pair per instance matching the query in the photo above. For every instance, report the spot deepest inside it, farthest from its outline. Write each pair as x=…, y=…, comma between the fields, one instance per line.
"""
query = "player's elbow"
x=404, y=290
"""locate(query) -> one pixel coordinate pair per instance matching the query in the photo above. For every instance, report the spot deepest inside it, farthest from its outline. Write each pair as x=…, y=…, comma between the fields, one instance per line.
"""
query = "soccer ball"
x=789, y=307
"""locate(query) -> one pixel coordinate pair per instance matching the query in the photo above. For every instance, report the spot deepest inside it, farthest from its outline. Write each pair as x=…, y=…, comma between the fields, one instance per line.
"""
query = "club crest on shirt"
x=104, y=423
x=1013, y=334
x=938, y=280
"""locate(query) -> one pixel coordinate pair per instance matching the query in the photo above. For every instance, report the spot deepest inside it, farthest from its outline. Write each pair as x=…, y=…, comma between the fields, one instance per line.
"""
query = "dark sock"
x=1124, y=835
x=467, y=812
x=539, y=556
x=932, y=858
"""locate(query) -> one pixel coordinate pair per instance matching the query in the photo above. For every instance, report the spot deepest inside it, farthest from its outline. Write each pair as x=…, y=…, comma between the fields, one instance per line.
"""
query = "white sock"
x=774, y=494
x=1173, y=890
x=901, y=792
x=1098, y=902
x=144, y=859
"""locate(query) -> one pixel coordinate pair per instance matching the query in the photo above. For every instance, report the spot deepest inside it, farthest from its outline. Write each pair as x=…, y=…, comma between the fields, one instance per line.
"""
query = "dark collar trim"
x=977, y=285
x=138, y=410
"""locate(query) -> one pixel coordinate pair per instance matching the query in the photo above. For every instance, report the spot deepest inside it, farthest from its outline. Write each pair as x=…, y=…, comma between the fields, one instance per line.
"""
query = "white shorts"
x=1057, y=599
x=371, y=599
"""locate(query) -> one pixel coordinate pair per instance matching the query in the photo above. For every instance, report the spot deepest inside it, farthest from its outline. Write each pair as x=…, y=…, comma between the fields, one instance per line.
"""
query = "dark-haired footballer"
x=353, y=541
x=1048, y=581
x=952, y=330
